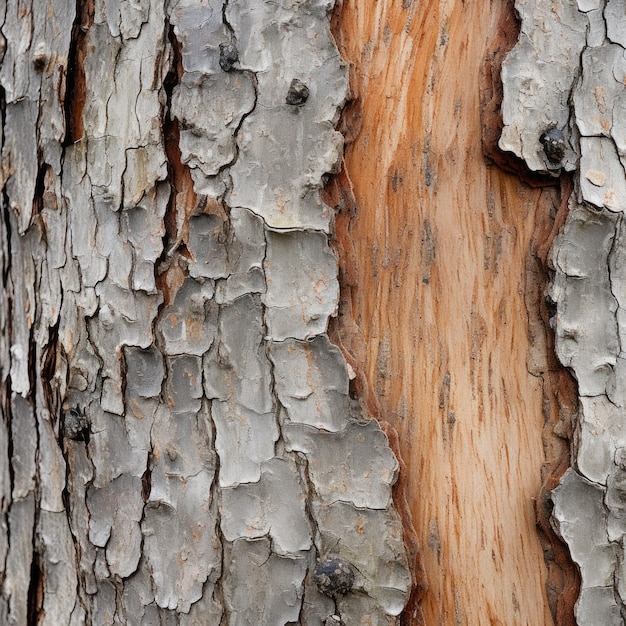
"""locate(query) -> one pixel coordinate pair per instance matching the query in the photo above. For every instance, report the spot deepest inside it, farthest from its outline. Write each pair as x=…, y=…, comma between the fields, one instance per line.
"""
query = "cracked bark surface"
x=568, y=71
x=179, y=443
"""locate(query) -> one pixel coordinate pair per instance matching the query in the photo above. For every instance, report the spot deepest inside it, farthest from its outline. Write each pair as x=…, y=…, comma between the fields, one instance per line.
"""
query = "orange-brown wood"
x=441, y=240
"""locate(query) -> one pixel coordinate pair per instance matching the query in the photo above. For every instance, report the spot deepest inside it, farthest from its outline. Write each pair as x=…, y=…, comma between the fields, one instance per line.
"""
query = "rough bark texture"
x=568, y=72
x=178, y=442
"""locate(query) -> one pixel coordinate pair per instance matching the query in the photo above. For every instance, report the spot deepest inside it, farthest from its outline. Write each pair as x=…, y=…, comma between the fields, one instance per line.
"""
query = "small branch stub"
x=41, y=57
x=298, y=93
x=333, y=577
x=229, y=55
x=553, y=142
x=75, y=425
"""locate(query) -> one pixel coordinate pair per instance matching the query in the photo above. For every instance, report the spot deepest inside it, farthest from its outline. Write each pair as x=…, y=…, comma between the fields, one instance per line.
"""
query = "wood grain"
x=441, y=240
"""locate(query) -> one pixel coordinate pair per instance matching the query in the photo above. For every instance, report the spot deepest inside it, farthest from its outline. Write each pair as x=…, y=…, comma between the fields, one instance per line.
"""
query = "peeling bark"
x=179, y=444
x=444, y=243
x=567, y=72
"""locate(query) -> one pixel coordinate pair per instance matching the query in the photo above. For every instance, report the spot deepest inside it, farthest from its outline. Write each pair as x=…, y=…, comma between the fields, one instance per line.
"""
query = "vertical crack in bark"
x=75, y=86
x=35, y=590
x=559, y=406
x=585, y=295
x=559, y=401
x=183, y=199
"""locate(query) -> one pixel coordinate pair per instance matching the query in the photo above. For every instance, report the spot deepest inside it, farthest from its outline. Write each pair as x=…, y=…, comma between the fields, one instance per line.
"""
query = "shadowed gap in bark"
x=76, y=89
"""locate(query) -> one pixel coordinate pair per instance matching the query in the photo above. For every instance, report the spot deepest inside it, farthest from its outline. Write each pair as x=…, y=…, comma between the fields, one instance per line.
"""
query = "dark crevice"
x=35, y=592
x=75, y=83
x=40, y=187
x=560, y=402
x=5, y=504
x=182, y=195
x=146, y=480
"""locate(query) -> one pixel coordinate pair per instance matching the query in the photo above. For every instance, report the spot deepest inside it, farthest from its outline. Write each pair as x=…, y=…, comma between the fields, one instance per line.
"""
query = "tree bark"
x=179, y=444
x=216, y=333
x=564, y=81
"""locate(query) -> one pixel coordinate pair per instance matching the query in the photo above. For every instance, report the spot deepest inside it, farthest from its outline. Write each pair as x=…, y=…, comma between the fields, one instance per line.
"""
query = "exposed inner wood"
x=440, y=292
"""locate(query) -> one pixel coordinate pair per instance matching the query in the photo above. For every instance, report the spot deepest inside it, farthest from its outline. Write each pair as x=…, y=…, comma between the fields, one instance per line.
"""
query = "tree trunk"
x=215, y=331
x=179, y=444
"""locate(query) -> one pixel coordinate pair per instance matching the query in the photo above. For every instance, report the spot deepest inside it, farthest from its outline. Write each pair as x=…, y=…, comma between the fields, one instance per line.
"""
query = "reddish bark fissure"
x=75, y=87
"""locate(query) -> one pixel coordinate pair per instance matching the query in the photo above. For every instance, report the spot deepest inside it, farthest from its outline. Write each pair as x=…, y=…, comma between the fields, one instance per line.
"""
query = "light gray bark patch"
x=124, y=318
x=602, y=179
x=599, y=434
x=115, y=512
x=80, y=476
x=59, y=569
x=23, y=457
x=355, y=465
x=17, y=570
x=587, y=342
x=617, y=268
x=111, y=453
x=538, y=75
x=272, y=507
x=20, y=163
x=246, y=251
x=187, y=325
x=615, y=17
x=52, y=481
x=357, y=604
x=244, y=439
x=381, y=569
x=237, y=368
x=207, y=610
x=125, y=18
x=207, y=246
x=311, y=380
x=252, y=575
x=180, y=543
x=581, y=519
x=37, y=40
x=210, y=109
x=597, y=88
x=302, y=287
x=144, y=372
x=83, y=223
x=181, y=449
x=284, y=151
x=125, y=155
x=616, y=503
x=183, y=390
x=23, y=309
x=104, y=605
x=144, y=227
x=201, y=29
